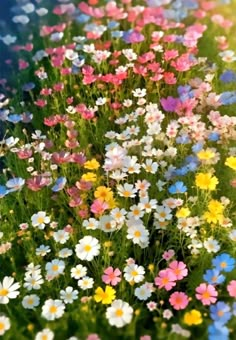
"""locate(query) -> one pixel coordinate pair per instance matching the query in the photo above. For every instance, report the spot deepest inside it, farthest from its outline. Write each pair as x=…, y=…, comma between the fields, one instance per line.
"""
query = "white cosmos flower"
x=53, y=309
x=45, y=334
x=87, y=248
x=40, y=220
x=134, y=273
x=55, y=268
x=8, y=289
x=28, y=8
x=119, y=313
x=41, y=11
x=69, y=295
x=61, y=236
x=30, y=301
x=8, y=39
x=143, y=292
x=33, y=281
x=4, y=324
x=78, y=271
x=86, y=283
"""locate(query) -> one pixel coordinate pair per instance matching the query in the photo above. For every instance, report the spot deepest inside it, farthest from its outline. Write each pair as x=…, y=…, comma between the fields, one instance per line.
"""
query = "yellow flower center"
x=53, y=309
x=206, y=295
x=87, y=247
x=119, y=312
x=220, y=313
x=137, y=233
x=2, y=326
x=55, y=267
x=126, y=193
x=223, y=264
x=134, y=273
x=40, y=220
x=3, y=292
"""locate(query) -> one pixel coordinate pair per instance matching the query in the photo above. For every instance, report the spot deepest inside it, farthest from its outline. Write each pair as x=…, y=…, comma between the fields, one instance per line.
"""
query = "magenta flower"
x=206, y=294
x=179, y=300
x=111, y=276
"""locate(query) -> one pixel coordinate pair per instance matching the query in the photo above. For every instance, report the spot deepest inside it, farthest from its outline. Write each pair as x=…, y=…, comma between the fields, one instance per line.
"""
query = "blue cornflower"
x=213, y=277
x=177, y=188
x=218, y=332
x=59, y=184
x=234, y=308
x=82, y=18
x=224, y=262
x=220, y=313
x=113, y=24
x=228, y=76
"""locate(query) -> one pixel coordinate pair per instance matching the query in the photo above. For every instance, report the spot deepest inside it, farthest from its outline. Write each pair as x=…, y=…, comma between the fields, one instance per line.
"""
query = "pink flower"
x=166, y=279
x=167, y=255
x=145, y=337
x=151, y=305
x=93, y=336
x=178, y=300
x=231, y=288
x=178, y=269
x=98, y=207
x=206, y=294
x=111, y=276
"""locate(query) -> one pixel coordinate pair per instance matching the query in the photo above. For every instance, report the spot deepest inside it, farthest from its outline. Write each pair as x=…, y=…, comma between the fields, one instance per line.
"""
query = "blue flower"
x=214, y=136
x=213, y=277
x=220, y=313
x=3, y=191
x=14, y=118
x=15, y=184
x=218, y=332
x=28, y=87
x=181, y=171
x=59, y=184
x=228, y=76
x=177, y=188
x=224, y=262
x=228, y=98
x=197, y=147
x=184, y=139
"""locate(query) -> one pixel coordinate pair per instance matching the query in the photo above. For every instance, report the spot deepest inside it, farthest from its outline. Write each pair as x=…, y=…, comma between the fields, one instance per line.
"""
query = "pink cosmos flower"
x=166, y=279
x=93, y=336
x=179, y=300
x=178, y=269
x=206, y=294
x=111, y=276
x=231, y=288
x=98, y=207
x=167, y=255
x=38, y=182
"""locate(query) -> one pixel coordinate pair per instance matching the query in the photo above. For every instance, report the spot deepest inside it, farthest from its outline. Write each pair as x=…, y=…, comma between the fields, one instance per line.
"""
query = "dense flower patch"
x=118, y=180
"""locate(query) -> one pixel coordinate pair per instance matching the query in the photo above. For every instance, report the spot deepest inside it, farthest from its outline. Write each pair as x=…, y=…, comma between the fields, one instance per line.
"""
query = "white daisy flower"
x=53, y=309
x=61, y=236
x=134, y=273
x=55, y=267
x=8, y=289
x=78, y=271
x=40, y=220
x=86, y=283
x=119, y=313
x=45, y=334
x=30, y=301
x=87, y=248
x=4, y=324
x=69, y=295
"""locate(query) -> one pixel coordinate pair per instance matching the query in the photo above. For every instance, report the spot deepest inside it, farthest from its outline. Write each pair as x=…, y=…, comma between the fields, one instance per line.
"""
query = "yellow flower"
x=206, y=181
x=205, y=155
x=194, y=317
x=231, y=162
x=89, y=177
x=103, y=193
x=183, y=212
x=213, y=217
x=92, y=164
x=106, y=297
x=215, y=206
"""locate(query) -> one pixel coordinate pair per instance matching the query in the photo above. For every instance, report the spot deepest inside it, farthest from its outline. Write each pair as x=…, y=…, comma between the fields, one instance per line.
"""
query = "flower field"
x=118, y=171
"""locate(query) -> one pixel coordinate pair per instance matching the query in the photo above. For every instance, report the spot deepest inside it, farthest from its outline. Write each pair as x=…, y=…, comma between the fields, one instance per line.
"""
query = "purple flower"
x=132, y=36
x=169, y=104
